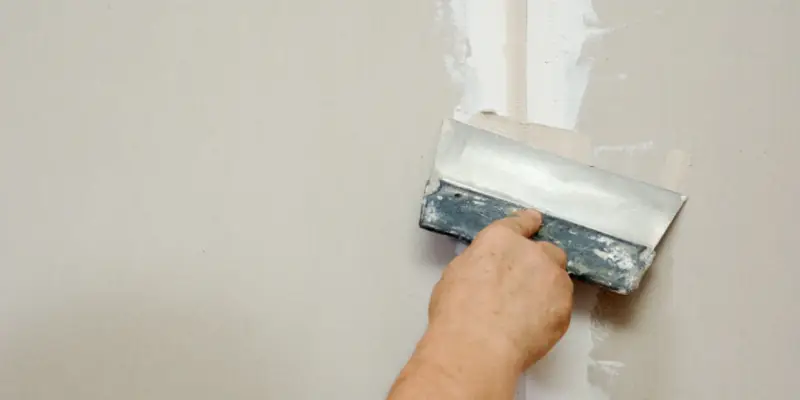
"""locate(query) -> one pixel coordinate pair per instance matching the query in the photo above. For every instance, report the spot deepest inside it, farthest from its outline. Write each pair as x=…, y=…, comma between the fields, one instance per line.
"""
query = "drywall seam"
x=519, y=58
x=675, y=170
x=522, y=59
x=564, y=373
x=628, y=149
x=571, y=370
x=476, y=60
x=557, y=73
x=516, y=51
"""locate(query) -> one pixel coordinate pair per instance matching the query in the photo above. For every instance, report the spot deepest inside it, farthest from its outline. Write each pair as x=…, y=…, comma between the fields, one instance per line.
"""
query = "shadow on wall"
x=621, y=312
x=437, y=249
x=634, y=339
x=655, y=291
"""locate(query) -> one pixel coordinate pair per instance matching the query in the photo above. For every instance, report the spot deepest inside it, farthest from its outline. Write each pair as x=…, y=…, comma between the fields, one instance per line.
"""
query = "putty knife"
x=609, y=225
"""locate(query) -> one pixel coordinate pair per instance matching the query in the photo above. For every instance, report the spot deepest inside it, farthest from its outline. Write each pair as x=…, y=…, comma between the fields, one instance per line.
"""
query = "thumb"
x=525, y=223
x=555, y=253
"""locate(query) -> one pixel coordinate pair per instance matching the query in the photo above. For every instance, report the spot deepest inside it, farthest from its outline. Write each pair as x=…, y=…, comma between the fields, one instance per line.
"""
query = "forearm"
x=450, y=365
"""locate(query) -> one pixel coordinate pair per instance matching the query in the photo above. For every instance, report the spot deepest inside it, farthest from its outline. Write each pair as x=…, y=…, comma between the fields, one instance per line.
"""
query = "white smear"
x=617, y=256
x=478, y=63
x=564, y=373
x=557, y=74
x=601, y=254
x=675, y=169
x=611, y=368
x=628, y=149
x=555, y=80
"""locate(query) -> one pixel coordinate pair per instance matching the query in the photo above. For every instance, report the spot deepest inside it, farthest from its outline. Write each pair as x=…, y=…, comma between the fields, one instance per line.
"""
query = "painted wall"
x=219, y=199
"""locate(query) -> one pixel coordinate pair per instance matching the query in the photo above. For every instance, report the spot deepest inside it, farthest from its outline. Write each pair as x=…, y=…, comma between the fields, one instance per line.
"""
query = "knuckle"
x=564, y=277
x=565, y=282
x=486, y=233
x=491, y=233
x=555, y=253
x=562, y=255
x=567, y=306
x=563, y=312
x=533, y=251
x=553, y=269
x=564, y=325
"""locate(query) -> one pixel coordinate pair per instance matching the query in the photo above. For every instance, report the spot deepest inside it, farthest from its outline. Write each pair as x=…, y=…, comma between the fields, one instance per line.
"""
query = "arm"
x=499, y=307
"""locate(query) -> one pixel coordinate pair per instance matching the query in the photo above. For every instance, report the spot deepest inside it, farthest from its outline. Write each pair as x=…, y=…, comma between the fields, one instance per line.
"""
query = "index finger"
x=525, y=223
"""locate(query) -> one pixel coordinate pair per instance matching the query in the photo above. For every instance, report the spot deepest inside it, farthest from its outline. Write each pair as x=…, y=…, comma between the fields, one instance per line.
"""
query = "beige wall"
x=717, y=79
x=219, y=199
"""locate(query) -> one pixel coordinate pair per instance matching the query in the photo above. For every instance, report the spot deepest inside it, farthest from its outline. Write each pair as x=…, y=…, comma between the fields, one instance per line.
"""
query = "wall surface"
x=219, y=199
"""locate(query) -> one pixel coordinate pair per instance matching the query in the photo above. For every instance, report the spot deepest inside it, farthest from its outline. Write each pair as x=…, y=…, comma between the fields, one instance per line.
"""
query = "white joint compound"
x=485, y=47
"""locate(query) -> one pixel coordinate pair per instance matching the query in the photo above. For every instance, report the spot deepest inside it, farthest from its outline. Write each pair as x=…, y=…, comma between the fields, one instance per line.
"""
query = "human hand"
x=505, y=293
x=499, y=307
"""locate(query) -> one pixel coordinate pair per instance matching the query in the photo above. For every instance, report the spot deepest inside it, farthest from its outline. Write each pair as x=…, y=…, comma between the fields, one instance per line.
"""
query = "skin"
x=499, y=307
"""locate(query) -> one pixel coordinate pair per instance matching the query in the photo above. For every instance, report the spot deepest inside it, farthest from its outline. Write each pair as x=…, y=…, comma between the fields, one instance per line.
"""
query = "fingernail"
x=531, y=211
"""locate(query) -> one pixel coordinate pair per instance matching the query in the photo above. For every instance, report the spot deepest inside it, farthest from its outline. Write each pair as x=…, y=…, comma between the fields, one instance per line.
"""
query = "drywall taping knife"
x=609, y=225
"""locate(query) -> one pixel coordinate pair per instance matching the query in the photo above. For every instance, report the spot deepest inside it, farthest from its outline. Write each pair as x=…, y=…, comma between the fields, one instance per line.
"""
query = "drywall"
x=514, y=63
x=657, y=106
x=718, y=81
x=215, y=200
x=208, y=199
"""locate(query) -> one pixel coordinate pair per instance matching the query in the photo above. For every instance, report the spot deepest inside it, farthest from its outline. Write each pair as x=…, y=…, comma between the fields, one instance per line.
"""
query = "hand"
x=506, y=291
x=499, y=307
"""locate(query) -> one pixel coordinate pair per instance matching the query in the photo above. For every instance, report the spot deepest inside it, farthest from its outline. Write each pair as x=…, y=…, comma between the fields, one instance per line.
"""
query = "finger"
x=555, y=253
x=525, y=223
